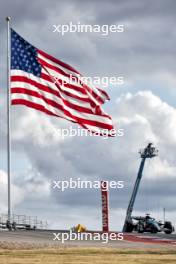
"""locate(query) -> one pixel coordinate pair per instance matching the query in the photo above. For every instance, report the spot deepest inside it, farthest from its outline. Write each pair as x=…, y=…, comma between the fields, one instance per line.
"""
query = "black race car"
x=149, y=224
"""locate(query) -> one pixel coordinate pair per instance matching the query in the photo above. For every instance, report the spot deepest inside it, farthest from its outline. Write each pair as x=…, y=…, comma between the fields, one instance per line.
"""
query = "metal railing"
x=22, y=222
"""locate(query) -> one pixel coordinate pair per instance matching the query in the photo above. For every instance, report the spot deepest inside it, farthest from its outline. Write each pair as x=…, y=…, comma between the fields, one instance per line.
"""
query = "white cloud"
x=17, y=193
x=143, y=116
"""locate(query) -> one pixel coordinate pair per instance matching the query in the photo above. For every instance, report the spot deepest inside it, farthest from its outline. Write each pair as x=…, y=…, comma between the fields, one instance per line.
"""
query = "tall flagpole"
x=8, y=116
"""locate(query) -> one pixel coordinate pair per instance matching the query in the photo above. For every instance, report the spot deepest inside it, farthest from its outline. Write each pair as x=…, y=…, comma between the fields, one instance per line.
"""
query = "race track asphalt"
x=45, y=238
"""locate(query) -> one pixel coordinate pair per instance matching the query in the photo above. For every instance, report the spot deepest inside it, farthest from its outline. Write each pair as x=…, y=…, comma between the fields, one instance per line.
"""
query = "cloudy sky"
x=144, y=107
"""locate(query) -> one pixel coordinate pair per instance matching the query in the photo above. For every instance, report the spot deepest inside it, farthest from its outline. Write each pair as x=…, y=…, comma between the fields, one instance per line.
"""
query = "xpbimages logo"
x=86, y=184
x=71, y=27
x=81, y=132
x=87, y=236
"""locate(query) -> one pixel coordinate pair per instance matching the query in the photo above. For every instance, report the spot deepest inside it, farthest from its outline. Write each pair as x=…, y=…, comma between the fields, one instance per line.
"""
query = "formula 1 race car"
x=149, y=224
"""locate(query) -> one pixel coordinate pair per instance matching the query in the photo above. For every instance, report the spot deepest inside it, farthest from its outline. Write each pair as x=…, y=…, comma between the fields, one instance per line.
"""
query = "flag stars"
x=24, y=56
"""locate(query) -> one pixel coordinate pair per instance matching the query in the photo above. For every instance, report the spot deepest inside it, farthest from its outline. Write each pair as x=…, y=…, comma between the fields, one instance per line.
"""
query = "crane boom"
x=148, y=152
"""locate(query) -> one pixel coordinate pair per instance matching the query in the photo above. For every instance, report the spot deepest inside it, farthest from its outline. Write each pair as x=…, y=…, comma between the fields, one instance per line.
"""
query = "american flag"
x=47, y=84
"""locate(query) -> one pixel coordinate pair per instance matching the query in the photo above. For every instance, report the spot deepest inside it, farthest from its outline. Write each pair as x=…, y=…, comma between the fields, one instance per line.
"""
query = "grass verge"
x=88, y=255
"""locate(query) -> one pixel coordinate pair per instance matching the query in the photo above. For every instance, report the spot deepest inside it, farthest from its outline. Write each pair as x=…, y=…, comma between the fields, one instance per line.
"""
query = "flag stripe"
x=98, y=94
x=48, y=92
x=92, y=117
x=58, y=82
x=56, y=73
x=59, y=62
x=66, y=71
x=34, y=101
x=50, y=106
x=17, y=75
x=47, y=96
x=73, y=111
